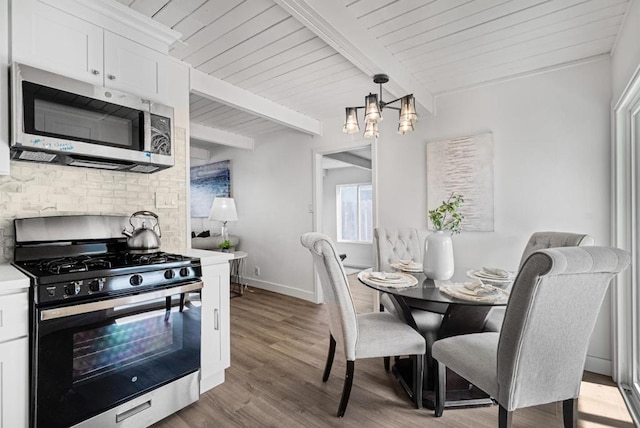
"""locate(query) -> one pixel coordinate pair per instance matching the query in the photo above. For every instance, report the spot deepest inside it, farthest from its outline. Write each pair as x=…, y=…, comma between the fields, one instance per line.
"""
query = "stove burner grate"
x=73, y=264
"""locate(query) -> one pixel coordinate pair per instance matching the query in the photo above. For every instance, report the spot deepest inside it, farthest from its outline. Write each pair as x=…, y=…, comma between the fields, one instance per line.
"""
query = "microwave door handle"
x=85, y=308
x=147, y=129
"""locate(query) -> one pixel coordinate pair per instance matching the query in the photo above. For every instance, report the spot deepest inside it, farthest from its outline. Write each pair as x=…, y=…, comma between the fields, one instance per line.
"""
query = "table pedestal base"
x=467, y=396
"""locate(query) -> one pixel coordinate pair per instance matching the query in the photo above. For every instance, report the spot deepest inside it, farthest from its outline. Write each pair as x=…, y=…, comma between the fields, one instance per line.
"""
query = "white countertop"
x=12, y=280
x=209, y=257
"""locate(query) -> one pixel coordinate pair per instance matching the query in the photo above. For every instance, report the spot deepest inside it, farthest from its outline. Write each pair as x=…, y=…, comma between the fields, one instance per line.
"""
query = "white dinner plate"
x=405, y=280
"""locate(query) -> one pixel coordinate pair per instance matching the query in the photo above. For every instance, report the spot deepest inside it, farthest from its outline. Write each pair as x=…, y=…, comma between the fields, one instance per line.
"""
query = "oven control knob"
x=169, y=274
x=135, y=280
x=72, y=289
x=184, y=271
x=96, y=285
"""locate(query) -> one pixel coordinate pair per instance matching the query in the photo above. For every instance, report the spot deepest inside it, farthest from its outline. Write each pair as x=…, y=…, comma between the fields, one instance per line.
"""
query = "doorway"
x=345, y=206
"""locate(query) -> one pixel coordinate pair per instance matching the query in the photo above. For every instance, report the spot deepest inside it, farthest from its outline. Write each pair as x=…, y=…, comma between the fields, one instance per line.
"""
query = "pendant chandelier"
x=373, y=112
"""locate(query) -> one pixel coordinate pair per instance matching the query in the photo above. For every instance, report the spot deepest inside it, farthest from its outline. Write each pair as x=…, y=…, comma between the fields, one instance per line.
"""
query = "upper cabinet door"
x=131, y=67
x=49, y=38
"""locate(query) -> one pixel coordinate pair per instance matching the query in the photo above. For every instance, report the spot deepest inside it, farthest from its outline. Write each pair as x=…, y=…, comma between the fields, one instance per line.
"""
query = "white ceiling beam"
x=218, y=136
x=218, y=90
x=332, y=22
x=351, y=159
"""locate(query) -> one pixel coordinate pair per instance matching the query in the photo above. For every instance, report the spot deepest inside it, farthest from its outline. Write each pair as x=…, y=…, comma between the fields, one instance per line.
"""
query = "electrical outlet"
x=257, y=270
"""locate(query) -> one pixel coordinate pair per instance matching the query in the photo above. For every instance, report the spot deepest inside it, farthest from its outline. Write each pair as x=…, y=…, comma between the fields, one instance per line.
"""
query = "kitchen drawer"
x=14, y=316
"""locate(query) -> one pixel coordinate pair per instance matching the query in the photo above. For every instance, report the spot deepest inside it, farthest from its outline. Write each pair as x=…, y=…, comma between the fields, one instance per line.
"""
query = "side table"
x=236, y=268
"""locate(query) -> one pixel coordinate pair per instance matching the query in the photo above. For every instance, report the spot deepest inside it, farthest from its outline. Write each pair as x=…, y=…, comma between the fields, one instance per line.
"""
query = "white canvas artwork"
x=465, y=166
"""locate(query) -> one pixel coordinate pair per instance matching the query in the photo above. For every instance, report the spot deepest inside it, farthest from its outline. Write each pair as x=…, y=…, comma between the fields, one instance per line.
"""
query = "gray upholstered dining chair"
x=538, y=357
x=539, y=241
x=406, y=243
x=369, y=335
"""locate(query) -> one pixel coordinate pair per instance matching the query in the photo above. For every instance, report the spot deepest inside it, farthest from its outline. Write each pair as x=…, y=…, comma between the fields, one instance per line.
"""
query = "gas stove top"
x=77, y=261
x=109, y=262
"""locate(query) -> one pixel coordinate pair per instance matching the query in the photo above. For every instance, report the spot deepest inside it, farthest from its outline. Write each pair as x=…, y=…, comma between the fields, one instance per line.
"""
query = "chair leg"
x=570, y=413
x=504, y=418
x=332, y=352
x=387, y=363
x=346, y=390
x=441, y=388
x=418, y=373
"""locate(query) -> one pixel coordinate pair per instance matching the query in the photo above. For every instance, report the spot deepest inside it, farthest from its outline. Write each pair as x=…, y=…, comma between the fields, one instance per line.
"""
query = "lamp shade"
x=371, y=130
x=405, y=126
x=351, y=123
x=408, y=109
x=372, y=114
x=223, y=209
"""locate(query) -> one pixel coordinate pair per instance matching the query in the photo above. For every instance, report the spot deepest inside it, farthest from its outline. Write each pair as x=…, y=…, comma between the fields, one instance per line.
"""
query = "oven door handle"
x=85, y=308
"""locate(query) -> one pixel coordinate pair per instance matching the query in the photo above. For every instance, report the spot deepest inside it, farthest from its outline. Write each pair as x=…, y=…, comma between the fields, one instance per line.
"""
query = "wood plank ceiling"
x=445, y=45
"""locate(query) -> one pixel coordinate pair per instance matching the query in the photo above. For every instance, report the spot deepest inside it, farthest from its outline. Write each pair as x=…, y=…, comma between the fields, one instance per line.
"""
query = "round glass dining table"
x=459, y=317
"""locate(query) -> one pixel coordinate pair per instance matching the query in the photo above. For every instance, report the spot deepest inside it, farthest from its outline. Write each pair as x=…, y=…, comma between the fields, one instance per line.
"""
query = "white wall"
x=626, y=57
x=358, y=255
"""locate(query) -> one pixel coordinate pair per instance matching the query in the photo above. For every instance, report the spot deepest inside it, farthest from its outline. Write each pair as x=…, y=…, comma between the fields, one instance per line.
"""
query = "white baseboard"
x=598, y=365
x=282, y=289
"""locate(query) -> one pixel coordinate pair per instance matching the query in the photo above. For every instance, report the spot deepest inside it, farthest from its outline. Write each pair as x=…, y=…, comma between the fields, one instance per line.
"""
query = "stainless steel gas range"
x=115, y=336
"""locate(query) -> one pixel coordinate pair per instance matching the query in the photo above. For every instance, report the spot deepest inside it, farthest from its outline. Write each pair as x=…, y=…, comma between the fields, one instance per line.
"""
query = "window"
x=355, y=213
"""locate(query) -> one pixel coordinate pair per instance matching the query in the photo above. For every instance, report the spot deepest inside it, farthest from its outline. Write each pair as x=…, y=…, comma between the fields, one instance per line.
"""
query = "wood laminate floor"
x=278, y=350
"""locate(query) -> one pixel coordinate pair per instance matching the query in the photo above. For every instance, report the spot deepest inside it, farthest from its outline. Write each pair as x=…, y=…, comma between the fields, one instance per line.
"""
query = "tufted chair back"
x=544, y=240
x=539, y=241
x=396, y=244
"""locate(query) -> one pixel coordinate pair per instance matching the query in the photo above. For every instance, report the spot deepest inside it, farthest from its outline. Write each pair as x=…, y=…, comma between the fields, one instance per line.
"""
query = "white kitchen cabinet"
x=14, y=375
x=46, y=37
x=14, y=360
x=49, y=38
x=134, y=68
x=215, y=352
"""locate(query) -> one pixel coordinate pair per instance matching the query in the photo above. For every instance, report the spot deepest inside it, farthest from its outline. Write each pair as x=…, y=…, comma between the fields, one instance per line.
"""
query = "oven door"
x=90, y=357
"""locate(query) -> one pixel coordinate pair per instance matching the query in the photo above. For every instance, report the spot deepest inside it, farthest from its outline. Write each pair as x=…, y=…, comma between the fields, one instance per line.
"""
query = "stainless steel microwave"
x=56, y=119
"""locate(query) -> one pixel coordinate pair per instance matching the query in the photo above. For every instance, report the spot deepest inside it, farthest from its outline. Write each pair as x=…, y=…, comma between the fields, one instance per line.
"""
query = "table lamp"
x=223, y=210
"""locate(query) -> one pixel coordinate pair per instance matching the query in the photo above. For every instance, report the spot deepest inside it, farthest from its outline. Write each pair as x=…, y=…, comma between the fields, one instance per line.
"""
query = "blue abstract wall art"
x=207, y=182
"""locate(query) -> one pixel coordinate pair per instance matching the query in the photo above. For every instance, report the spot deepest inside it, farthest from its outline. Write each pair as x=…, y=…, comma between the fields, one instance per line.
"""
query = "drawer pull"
x=132, y=412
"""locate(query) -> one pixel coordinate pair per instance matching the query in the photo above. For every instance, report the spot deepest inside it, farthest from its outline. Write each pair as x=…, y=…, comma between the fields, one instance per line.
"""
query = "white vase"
x=438, y=256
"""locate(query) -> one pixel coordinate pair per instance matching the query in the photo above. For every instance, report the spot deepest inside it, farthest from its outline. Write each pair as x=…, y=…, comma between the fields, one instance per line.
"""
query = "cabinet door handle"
x=216, y=319
x=111, y=77
x=95, y=72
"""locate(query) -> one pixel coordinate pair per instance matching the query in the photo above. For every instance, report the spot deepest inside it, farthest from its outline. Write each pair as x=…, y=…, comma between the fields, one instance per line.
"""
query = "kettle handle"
x=149, y=214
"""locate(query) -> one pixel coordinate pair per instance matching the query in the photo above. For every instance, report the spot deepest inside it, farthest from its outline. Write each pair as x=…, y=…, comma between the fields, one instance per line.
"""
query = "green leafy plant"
x=225, y=245
x=448, y=216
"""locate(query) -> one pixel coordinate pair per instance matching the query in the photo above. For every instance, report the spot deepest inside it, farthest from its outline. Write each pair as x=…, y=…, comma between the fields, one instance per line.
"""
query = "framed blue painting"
x=207, y=182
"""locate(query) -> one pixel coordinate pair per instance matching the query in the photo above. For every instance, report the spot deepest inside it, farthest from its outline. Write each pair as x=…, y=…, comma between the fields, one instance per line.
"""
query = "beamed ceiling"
x=315, y=57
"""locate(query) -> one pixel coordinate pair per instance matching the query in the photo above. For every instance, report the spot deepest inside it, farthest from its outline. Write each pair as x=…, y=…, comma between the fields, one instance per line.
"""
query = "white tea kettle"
x=143, y=240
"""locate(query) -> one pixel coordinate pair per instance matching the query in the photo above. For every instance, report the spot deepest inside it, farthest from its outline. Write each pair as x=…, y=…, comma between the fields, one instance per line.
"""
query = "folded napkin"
x=497, y=272
x=475, y=291
x=407, y=266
